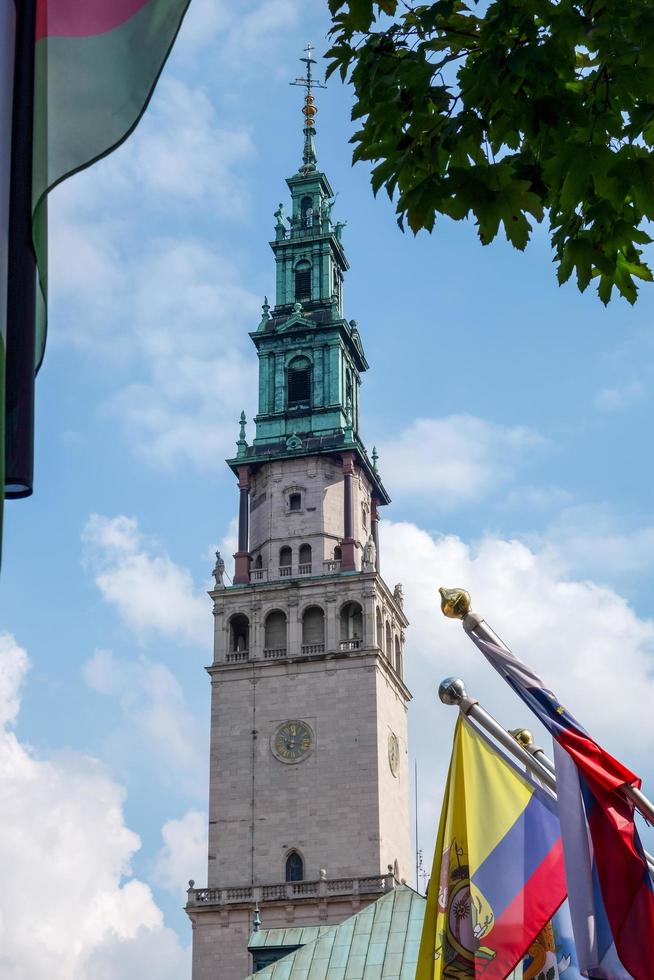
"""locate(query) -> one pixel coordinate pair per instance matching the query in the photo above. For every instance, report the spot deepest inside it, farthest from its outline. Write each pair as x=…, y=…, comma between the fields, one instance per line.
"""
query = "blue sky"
x=513, y=421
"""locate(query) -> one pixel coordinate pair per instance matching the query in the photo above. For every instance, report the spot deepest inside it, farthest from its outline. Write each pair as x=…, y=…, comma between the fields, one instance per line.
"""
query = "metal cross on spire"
x=309, y=110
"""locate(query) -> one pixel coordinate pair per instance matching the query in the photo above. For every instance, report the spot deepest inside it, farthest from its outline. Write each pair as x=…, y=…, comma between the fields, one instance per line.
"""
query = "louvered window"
x=299, y=382
x=303, y=281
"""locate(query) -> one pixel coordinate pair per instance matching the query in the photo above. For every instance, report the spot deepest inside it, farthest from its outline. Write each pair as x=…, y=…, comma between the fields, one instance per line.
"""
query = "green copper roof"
x=379, y=943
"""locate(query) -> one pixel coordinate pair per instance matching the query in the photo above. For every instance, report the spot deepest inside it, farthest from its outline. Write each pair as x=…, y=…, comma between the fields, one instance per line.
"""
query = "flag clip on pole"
x=455, y=604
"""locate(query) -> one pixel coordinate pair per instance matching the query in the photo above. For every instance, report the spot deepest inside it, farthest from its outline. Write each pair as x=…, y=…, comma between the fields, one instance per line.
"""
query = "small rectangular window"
x=295, y=501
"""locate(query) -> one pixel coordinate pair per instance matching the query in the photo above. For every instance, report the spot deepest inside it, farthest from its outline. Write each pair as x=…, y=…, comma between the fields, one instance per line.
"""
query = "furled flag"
x=84, y=73
x=7, y=43
x=497, y=877
x=609, y=885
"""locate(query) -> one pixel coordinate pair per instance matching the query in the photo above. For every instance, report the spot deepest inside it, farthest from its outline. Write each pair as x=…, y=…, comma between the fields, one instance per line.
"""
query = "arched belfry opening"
x=239, y=633
x=351, y=624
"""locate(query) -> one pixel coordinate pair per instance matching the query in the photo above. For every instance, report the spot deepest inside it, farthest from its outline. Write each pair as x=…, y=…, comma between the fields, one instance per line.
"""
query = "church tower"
x=309, y=778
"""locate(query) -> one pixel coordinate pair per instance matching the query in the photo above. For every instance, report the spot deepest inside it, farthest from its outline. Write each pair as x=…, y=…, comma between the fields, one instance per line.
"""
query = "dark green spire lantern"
x=311, y=358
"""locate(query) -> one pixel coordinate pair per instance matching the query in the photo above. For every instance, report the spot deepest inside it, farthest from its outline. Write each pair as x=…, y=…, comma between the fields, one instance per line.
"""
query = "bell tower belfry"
x=309, y=779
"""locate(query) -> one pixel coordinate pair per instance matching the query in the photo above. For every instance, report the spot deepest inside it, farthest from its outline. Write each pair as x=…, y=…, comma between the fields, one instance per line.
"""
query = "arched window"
x=351, y=626
x=313, y=630
x=294, y=867
x=398, y=656
x=303, y=280
x=380, y=629
x=299, y=382
x=285, y=561
x=305, y=559
x=275, y=633
x=239, y=633
x=338, y=554
x=258, y=562
x=306, y=211
x=389, y=642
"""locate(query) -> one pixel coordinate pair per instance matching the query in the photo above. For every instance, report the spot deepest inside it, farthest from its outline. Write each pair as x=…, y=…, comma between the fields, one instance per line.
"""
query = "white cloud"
x=592, y=540
x=155, y=717
x=248, y=29
x=179, y=153
x=65, y=845
x=168, y=313
x=13, y=667
x=184, y=853
x=620, y=397
x=151, y=593
x=584, y=640
x=456, y=460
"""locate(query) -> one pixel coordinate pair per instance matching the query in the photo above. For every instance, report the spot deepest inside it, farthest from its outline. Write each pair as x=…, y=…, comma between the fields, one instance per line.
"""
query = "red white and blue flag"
x=609, y=885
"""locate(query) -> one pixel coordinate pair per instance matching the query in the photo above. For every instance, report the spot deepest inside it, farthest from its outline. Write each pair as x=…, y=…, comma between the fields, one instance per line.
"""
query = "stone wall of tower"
x=351, y=695
x=318, y=522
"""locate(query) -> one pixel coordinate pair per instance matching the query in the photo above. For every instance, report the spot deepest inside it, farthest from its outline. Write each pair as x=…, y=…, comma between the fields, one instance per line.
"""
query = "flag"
x=552, y=955
x=7, y=42
x=609, y=885
x=84, y=73
x=497, y=877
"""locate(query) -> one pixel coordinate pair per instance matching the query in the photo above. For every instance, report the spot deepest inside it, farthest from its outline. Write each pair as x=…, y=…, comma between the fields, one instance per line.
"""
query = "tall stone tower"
x=309, y=780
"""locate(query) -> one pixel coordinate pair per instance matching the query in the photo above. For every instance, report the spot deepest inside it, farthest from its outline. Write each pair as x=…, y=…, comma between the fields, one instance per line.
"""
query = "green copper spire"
x=311, y=357
x=309, y=110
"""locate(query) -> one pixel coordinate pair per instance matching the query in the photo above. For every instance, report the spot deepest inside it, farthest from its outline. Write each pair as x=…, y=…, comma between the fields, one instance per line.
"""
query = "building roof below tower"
x=381, y=941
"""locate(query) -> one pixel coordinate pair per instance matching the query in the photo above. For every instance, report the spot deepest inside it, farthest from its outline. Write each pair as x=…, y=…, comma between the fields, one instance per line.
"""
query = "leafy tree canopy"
x=510, y=110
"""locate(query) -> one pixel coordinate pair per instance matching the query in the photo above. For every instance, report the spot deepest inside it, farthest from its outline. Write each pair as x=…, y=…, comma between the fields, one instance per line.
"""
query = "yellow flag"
x=497, y=876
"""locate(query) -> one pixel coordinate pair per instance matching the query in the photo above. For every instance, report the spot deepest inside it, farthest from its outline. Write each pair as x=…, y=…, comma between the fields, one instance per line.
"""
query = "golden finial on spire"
x=309, y=110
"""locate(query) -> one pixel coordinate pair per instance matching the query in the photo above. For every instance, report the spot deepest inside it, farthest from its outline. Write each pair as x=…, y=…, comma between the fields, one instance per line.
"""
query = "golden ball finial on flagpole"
x=523, y=737
x=455, y=603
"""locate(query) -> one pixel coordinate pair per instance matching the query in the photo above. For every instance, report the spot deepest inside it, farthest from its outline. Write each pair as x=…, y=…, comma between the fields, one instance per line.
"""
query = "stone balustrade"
x=274, y=653
x=237, y=656
x=354, y=644
x=283, y=891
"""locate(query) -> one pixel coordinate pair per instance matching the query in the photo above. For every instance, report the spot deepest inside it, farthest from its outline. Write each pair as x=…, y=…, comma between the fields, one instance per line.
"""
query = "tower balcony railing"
x=258, y=574
x=285, y=571
x=332, y=565
x=283, y=891
x=310, y=648
x=237, y=656
x=354, y=644
x=304, y=568
x=274, y=653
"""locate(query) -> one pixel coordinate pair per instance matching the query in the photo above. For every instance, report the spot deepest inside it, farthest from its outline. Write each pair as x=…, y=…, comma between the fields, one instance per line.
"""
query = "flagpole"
x=455, y=604
x=520, y=742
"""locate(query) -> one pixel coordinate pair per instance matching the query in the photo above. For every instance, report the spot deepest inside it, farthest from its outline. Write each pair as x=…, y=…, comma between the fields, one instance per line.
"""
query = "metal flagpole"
x=519, y=742
x=472, y=622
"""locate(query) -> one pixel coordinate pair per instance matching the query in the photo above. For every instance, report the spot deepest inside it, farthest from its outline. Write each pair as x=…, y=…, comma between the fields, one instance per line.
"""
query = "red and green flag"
x=84, y=72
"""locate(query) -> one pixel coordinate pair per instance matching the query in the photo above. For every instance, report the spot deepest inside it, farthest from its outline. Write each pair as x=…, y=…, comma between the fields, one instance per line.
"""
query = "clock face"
x=394, y=753
x=292, y=741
